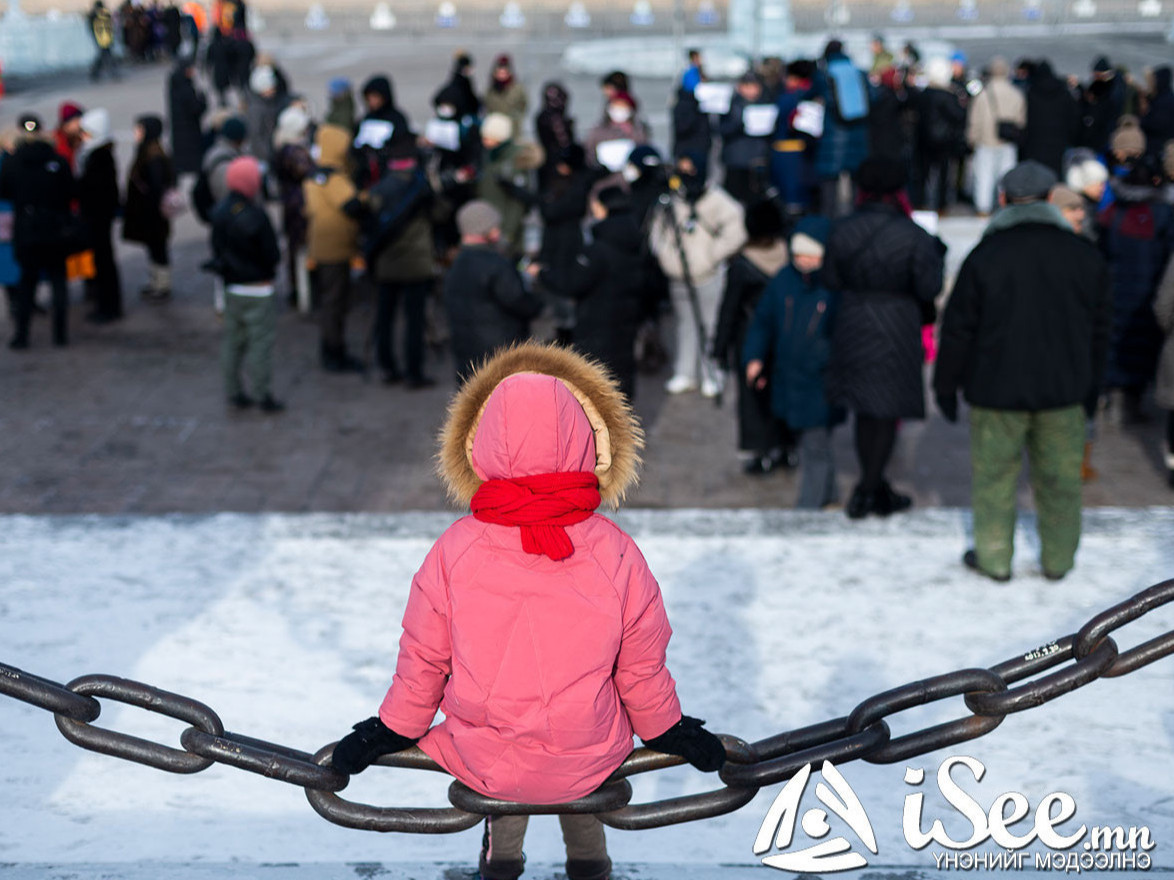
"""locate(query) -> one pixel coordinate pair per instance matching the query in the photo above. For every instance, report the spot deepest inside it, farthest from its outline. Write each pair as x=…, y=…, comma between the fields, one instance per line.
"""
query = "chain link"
x=1048, y=672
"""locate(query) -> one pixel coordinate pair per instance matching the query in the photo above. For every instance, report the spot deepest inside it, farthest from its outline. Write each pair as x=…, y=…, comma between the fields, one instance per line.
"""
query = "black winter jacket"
x=97, y=190
x=1027, y=325
x=692, y=135
x=889, y=270
x=244, y=244
x=41, y=188
x=1053, y=120
x=563, y=205
x=607, y=279
x=487, y=306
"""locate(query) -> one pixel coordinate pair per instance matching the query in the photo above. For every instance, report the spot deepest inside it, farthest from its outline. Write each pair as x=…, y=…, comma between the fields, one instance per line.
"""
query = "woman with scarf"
x=888, y=271
x=506, y=95
x=144, y=222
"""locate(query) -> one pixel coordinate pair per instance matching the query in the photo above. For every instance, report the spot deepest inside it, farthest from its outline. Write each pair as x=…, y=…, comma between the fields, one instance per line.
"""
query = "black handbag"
x=1005, y=129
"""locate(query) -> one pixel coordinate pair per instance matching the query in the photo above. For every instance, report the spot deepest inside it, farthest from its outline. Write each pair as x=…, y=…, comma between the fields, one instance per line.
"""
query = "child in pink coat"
x=534, y=624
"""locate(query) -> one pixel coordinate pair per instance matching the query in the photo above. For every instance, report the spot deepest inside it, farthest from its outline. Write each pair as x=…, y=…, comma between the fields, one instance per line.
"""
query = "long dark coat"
x=150, y=176
x=608, y=282
x=888, y=270
x=185, y=108
x=1137, y=238
x=1053, y=120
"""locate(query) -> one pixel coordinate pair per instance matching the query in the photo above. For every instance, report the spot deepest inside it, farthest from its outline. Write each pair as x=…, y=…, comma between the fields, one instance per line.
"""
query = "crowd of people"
x=780, y=225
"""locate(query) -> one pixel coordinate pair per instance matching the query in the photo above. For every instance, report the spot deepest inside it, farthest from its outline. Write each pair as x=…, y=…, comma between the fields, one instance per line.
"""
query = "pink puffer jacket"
x=542, y=669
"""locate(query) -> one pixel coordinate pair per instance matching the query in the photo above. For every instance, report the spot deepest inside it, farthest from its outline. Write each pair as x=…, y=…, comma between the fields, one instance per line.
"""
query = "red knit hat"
x=244, y=176
x=68, y=111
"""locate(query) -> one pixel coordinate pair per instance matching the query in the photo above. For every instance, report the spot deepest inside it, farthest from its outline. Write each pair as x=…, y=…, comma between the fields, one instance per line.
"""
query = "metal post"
x=678, y=37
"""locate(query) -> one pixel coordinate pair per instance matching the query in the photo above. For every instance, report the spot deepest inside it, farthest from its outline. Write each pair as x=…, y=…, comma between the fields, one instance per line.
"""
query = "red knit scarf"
x=541, y=505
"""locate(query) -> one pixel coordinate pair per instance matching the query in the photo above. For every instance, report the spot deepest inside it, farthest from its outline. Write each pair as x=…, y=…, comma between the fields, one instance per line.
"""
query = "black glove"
x=357, y=751
x=689, y=740
x=948, y=406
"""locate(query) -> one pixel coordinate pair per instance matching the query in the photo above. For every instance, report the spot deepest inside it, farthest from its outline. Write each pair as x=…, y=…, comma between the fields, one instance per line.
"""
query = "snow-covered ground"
x=287, y=626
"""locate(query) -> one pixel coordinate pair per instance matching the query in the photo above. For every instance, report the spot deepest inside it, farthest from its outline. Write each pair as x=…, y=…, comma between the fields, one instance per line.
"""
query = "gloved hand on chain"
x=689, y=740
x=357, y=751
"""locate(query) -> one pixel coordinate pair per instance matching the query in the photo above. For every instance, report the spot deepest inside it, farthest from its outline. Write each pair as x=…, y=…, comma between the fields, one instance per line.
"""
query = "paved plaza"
x=131, y=417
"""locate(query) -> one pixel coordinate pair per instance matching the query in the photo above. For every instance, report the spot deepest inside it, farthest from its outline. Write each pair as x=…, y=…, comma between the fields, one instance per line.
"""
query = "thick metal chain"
x=1073, y=661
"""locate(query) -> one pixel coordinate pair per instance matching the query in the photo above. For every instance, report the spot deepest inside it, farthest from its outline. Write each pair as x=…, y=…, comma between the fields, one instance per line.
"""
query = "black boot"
x=861, y=504
x=888, y=501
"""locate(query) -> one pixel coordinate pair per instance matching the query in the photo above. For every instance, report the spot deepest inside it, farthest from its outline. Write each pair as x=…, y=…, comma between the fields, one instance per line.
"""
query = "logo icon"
x=830, y=856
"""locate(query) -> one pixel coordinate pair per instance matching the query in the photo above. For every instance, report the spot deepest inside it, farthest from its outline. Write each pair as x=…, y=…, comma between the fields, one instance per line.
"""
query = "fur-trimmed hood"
x=617, y=436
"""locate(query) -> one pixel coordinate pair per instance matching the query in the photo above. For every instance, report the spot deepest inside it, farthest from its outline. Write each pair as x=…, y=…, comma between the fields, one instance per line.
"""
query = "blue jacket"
x=9, y=268
x=791, y=333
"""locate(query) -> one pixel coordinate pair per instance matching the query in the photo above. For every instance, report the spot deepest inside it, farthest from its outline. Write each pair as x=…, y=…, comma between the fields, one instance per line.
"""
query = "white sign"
x=446, y=15
x=1149, y=8
x=758, y=120
x=374, y=133
x=443, y=133
x=1084, y=8
x=642, y=14
x=512, y=17
x=809, y=118
x=714, y=97
x=382, y=19
x=613, y=155
x=577, y=16
x=317, y=19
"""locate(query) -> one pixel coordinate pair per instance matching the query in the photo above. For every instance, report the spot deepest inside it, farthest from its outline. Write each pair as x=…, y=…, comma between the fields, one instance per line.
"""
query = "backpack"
x=203, y=201
x=848, y=91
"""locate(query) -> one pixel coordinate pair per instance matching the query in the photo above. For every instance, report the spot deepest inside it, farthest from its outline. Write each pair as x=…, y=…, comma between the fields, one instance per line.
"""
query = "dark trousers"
x=104, y=59
x=31, y=268
x=875, y=440
x=105, y=288
x=157, y=252
x=332, y=289
x=501, y=847
x=414, y=294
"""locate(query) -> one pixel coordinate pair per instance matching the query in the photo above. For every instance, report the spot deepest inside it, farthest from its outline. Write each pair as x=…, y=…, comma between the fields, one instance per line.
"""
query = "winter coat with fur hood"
x=542, y=669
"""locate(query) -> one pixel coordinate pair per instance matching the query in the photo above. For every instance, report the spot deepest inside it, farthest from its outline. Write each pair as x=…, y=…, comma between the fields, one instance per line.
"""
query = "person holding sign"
x=745, y=131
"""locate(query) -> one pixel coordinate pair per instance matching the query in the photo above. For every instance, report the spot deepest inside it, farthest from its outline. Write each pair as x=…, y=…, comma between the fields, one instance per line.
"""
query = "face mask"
x=446, y=111
x=619, y=113
x=631, y=173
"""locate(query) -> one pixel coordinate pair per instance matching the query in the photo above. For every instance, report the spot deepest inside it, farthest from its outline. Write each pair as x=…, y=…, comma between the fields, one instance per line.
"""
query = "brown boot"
x=1087, y=472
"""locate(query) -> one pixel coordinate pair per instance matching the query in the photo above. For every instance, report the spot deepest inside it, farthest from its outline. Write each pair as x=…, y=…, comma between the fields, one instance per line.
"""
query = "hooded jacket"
x=542, y=669
x=791, y=331
x=371, y=160
x=332, y=234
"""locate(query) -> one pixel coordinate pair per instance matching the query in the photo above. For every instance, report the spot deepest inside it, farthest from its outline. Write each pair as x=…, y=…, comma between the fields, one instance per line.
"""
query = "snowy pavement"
x=287, y=626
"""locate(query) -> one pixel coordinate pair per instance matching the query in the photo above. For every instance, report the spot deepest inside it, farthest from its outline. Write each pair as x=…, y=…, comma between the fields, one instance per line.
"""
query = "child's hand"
x=689, y=740
x=357, y=751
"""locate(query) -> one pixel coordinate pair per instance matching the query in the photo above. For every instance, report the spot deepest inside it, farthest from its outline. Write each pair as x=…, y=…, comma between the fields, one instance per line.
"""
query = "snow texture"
x=287, y=626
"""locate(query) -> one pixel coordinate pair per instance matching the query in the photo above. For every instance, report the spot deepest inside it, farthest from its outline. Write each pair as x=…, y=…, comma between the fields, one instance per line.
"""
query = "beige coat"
x=331, y=235
x=1000, y=101
x=1164, y=311
x=717, y=234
